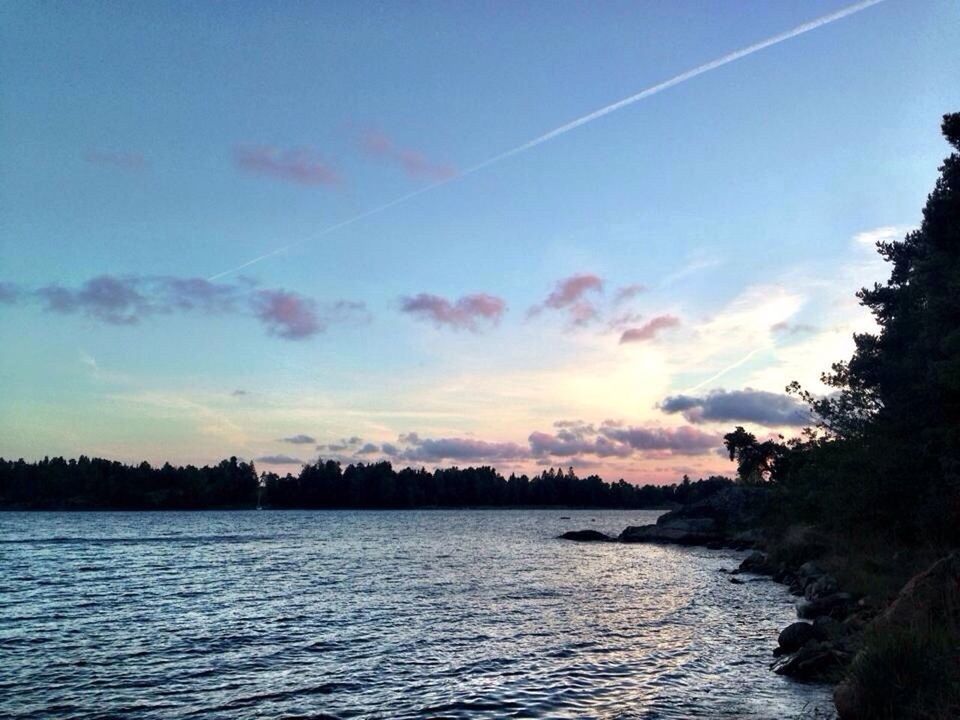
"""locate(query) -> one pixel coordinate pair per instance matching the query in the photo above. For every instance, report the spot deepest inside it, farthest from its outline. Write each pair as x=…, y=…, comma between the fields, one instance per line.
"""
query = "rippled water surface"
x=378, y=614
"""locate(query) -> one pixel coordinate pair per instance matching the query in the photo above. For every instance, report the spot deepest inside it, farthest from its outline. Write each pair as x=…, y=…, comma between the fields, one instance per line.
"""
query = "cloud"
x=302, y=166
x=649, y=330
x=280, y=460
x=368, y=449
x=113, y=300
x=683, y=440
x=9, y=293
x=628, y=292
x=122, y=160
x=616, y=439
x=757, y=406
x=127, y=300
x=461, y=449
x=299, y=440
x=287, y=314
x=239, y=393
x=885, y=233
x=198, y=294
x=414, y=163
x=570, y=290
x=567, y=444
x=569, y=295
x=462, y=314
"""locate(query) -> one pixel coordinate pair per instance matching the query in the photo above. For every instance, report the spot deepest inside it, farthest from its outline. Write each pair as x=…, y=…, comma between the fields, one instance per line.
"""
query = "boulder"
x=586, y=536
x=837, y=604
x=680, y=532
x=809, y=571
x=813, y=661
x=820, y=587
x=757, y=562
x=795, y=636
x=828, y=628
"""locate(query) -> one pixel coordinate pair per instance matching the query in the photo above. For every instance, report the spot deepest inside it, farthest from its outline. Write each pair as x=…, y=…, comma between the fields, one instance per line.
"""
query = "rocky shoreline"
x=821, y=645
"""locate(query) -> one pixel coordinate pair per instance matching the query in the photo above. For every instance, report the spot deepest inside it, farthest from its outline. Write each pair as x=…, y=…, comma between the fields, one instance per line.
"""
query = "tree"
x=756, y=461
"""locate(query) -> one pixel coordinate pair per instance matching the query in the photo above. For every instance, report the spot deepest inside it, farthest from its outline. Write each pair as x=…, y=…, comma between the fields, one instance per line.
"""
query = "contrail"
x=723, y=372
x=573, y=124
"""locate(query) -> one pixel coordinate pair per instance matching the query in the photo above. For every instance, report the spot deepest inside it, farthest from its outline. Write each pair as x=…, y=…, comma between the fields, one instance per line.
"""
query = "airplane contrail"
x=573, y=124
x=725, y=370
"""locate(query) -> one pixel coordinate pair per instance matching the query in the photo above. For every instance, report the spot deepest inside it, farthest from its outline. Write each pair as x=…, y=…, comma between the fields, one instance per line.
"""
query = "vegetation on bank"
x=88, y=484
x=879, y=475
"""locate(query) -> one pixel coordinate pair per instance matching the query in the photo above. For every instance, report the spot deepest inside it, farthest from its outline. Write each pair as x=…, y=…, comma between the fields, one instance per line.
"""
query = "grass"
x=913, y=672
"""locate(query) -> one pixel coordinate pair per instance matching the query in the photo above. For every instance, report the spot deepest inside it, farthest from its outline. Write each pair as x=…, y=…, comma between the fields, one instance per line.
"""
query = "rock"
x=736, y=581
x=809, y=571
x=828, y=628
x=734, y=509
x=835, y=604
x=814, y=660
x=934, y=593
x=846, y=700
x=745, y=540
x=757, y=562
x=795, y=636
x=820, y=587
x=687, y=532
x=586, y=536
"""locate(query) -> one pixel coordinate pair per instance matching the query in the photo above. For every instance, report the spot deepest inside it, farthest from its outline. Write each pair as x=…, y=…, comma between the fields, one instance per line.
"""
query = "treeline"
x=378, y=485
x=93, y=483
x=86, y=484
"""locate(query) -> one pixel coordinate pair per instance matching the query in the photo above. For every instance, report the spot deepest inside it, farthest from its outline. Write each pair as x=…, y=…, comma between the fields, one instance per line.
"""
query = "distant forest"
x=94, y=483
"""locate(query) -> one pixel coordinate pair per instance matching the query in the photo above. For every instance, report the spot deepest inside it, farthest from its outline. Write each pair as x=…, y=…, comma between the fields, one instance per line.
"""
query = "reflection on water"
x=378, y=614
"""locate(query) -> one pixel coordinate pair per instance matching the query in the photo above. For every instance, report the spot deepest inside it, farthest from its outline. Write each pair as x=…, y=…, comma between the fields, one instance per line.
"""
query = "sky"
x=271, y=230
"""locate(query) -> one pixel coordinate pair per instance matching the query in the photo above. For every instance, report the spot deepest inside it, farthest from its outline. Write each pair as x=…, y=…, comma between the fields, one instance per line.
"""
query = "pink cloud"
x=571, y=289
x=413, y=162
x=287, y=314
x=649, y=330
x=683, y=440
x=569, y=295
x=462, y=314
x=298, y=165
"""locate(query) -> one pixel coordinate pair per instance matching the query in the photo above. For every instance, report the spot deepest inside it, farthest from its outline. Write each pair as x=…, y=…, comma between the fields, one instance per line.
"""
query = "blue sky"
x=152, y=142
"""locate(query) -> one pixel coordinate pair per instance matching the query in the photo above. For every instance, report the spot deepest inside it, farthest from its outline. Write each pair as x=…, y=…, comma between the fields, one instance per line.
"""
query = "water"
x=474, y=614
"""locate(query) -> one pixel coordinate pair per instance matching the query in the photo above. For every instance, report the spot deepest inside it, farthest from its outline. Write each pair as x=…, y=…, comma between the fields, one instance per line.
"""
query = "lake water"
x=411, y=614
